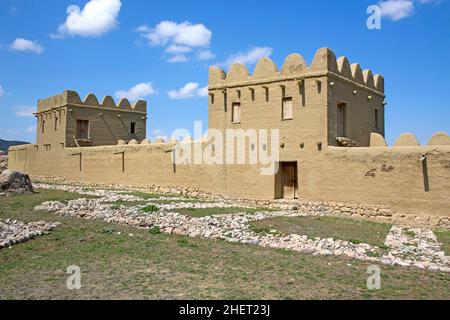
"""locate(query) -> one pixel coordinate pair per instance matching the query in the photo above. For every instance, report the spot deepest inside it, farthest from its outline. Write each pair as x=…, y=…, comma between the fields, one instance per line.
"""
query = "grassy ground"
x=139, y=264
x=443, y=236
x=158, y=195
x=203, y=212
x=355, y=231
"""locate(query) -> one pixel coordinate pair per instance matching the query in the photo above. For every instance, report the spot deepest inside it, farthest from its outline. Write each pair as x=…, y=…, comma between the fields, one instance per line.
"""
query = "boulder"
x=14, y=182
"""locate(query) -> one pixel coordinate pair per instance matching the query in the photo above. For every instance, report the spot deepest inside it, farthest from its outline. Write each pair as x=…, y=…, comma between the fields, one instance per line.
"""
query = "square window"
x=287, y=109
x=236, y=113
x=133, y=128
x=83, y=129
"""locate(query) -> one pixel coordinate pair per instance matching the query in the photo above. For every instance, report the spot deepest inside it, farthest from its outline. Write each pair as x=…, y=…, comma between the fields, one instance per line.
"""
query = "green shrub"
x=150, y=209
x=155, y=230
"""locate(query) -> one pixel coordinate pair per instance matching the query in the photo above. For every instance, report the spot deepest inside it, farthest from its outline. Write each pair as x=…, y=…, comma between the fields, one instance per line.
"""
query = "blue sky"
x=152, y=49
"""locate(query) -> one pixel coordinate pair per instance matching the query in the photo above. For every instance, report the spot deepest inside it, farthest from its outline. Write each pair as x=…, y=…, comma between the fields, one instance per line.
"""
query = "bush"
x=150, y=209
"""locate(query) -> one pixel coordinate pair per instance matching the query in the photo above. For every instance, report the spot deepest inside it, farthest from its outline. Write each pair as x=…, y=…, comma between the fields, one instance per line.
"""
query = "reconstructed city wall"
x=411, y=179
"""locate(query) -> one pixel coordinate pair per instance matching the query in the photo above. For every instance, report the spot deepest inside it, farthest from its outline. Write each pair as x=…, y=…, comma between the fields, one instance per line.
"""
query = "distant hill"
x=4, y=144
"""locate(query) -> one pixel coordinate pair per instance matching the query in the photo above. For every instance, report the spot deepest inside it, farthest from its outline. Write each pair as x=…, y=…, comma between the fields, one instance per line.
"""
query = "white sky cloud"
x=173, y=48
x=396, y=9
x=178, y=38
x=24, y=111
x=137, y=92
x=2, y=91
x=95, y=19
x=185, y=34
x=189, y=90
x=205, y=55
x=249, y=57
x=399, y=9
x=202, y=92
x=21, y=44
x=178, y=58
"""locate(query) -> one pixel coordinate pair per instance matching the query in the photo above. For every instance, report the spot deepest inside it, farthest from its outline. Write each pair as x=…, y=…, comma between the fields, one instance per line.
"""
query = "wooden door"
x=290, y=184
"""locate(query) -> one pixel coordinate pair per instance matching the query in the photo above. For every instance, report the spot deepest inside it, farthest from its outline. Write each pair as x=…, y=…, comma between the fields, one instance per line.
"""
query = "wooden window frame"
x=233, y=105
x=283, y=100
x=88, y=130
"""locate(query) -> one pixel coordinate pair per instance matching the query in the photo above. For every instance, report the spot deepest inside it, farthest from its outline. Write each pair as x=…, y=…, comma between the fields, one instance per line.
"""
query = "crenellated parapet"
x=324, y=63
x=69, y=97
x=408, y=139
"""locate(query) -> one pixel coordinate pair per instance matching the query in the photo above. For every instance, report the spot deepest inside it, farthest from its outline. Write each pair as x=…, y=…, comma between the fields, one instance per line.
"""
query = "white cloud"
x=186, y=34
x=2, y=92
x=399, y=9
x=97, y=18
x=137, y=92
x=249, y=57
x=205, y=55
x=21, y=44
x=396, y=9
x=178, y=38
x=24, y=111
x=189, y=90
x=173, y=48
x=31, y=129
x=178, y=58
x=202, y=92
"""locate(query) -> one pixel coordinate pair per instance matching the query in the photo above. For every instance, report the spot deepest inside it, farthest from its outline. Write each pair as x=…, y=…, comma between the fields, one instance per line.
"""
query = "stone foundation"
x=377, y=213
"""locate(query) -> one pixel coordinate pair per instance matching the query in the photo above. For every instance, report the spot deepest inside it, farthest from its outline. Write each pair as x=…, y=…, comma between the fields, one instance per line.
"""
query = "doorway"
x=287, y=181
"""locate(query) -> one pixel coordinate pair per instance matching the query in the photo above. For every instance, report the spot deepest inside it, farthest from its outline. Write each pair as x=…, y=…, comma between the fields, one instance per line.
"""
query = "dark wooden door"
x=290, y=184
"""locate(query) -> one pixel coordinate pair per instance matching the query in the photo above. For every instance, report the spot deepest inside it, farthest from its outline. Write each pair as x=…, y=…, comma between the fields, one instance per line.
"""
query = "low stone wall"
x=378, y=213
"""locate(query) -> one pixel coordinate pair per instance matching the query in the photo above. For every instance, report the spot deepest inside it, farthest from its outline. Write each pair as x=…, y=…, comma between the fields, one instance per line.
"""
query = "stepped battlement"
x=69, y=97
x=324, y=62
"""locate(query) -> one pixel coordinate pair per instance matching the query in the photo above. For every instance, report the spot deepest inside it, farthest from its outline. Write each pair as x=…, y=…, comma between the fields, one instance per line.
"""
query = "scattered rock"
x=14, y=232
x=406, y=246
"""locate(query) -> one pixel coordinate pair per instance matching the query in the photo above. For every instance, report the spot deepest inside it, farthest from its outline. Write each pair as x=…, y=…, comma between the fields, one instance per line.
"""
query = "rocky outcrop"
x=14, y=182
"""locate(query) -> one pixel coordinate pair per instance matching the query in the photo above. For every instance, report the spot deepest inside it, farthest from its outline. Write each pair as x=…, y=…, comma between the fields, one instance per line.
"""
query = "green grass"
x=155, y=230
x=355, y=231
x=150, y=209
x=203, y=212
x=116, y=265
x=443, y=236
